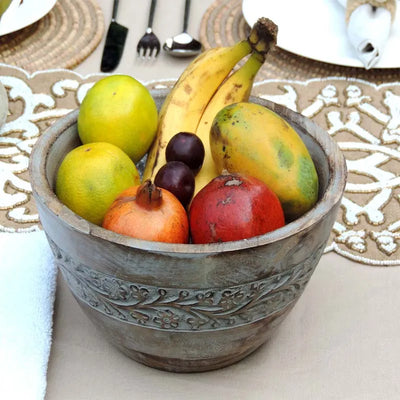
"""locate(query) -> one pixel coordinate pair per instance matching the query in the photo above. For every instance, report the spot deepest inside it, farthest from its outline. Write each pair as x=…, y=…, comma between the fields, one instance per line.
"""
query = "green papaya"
x=252, y=139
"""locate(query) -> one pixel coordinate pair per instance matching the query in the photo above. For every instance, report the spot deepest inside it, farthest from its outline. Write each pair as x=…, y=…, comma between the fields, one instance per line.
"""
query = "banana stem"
x=254, y=63
x=263, y=35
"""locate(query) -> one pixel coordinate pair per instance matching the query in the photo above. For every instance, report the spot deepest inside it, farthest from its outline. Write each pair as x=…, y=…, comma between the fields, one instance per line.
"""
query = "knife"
x=115, y=42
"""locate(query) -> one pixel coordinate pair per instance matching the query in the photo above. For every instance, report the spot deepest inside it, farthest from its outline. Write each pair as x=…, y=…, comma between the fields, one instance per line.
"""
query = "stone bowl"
x=186, y=307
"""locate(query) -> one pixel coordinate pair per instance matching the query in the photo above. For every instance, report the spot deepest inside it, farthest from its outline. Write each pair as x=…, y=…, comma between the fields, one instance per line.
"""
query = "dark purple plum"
x=188, y=148
x=178, y=178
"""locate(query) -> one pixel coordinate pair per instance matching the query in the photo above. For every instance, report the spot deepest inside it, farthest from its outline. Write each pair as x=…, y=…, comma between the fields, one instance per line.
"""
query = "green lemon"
x=91, y=176
x=120, y=110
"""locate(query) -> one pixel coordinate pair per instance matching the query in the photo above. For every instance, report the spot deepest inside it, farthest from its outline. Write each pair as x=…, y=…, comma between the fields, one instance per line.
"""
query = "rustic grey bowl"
x=186, y=307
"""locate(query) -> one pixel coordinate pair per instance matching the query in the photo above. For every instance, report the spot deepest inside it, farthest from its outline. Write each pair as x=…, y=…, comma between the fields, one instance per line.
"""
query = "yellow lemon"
x=118, y=109
x=91, y=176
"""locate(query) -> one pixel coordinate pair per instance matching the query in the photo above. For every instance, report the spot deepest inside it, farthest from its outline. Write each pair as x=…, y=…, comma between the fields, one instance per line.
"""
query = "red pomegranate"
x=234, y=207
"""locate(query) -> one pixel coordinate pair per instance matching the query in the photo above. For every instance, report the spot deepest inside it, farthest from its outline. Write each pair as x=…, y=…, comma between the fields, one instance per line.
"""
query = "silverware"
x=183, y=45
x=115, y=42
x=149, y=41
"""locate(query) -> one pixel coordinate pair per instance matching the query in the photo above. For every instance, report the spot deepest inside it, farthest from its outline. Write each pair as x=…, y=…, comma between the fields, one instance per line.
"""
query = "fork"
x=149, y=41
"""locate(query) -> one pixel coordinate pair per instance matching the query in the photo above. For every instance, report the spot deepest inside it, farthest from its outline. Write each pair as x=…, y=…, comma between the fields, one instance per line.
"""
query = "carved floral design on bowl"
x=185, y=309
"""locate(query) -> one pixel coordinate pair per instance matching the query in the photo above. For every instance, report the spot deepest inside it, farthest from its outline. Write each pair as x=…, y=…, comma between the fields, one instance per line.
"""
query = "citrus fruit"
x=118, y=109
x=91, y=176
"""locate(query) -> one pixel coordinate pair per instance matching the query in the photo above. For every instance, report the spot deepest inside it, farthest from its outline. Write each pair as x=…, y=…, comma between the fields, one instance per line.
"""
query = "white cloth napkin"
x=368, y=29
x=27, y=292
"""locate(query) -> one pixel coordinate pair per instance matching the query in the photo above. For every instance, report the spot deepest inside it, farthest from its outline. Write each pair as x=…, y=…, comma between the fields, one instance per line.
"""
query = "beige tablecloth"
x=341, y=340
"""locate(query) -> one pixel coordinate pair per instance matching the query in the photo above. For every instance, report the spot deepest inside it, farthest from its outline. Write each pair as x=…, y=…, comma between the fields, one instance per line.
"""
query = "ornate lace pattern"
x=362, y=117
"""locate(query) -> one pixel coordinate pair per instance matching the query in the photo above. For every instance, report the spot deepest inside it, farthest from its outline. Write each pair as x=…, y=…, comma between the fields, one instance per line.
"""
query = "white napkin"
x=368, y=29
x=27, y=291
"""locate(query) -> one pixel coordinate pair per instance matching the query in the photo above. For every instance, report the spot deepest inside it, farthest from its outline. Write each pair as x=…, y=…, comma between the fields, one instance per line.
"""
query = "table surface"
x=339, y=342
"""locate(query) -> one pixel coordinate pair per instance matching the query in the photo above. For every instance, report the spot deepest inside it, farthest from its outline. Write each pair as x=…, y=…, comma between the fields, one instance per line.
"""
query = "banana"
x=184, y=105
x=209, y=73
x=236, y=88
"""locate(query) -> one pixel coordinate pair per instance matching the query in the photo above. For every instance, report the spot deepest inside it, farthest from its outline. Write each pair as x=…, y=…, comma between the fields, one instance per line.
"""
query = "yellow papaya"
x=252, y=139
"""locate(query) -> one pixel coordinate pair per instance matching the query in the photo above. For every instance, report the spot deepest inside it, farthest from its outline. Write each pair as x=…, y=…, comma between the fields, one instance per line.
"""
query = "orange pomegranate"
x=150, y=213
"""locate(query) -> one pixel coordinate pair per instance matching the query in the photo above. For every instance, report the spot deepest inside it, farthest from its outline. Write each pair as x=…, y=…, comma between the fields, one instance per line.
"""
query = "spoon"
x=183, y=45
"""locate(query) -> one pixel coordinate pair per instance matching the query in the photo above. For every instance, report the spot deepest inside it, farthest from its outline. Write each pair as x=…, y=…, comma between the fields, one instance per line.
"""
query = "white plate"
x=316, y=29
x=19, y=16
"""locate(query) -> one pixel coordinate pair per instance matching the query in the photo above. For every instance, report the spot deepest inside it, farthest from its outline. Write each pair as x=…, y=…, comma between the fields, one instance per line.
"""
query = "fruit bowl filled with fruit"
x=188, y=222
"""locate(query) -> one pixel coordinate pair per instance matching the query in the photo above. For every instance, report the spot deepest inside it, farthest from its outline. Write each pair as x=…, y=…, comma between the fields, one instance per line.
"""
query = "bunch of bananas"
x=209, y=83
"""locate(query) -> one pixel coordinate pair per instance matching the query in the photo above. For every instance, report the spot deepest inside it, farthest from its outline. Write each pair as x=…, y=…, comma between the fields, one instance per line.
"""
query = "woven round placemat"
x=63, y=38
x=223, y=24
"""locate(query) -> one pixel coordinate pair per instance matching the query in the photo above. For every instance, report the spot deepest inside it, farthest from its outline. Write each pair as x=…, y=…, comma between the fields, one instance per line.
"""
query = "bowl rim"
x=332, y=195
